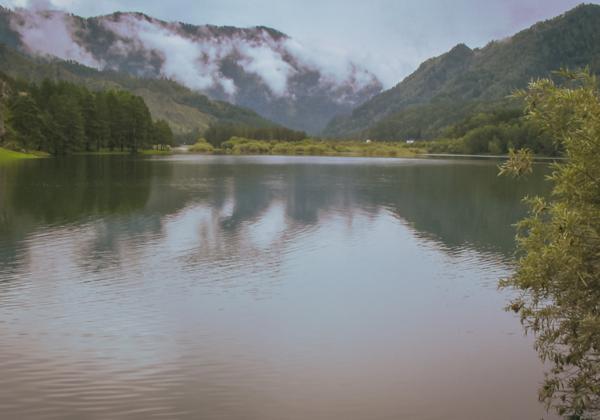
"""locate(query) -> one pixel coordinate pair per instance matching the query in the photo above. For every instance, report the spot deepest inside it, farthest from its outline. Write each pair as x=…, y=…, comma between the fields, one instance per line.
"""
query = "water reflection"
x=267, y=288
x=454, y=202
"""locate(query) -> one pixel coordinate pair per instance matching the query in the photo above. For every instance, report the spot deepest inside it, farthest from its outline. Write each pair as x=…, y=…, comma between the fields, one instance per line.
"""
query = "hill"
x=259, y=68
x=185, y=110
x=448, y=88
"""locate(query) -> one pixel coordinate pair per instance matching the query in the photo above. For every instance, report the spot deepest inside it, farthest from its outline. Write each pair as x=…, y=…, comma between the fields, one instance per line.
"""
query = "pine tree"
x=25, y=118
x=163, y=134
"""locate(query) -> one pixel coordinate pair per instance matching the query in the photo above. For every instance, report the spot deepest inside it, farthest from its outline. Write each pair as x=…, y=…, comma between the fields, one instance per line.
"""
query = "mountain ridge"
x=475, y=78
x=258, y=67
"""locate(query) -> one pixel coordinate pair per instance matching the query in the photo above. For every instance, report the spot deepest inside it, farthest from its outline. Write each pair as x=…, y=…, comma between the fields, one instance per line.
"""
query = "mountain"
x=445, y=89
x=259, y=68
x=185, y=110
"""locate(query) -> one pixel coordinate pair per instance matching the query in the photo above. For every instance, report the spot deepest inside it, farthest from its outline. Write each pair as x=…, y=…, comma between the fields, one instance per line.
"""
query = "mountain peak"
x=584, y=8
x=458, y=53
x=275, y=34
x=460, y=49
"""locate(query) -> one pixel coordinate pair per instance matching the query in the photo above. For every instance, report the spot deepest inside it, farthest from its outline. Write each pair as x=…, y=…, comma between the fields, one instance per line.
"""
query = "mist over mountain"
x=259, y=68
x=186, y=111
x=447, y=88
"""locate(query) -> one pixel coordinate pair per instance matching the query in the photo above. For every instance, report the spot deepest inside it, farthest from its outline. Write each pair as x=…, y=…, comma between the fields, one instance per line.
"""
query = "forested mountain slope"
x=445, y=89
x=259, y=68
x=185, y=110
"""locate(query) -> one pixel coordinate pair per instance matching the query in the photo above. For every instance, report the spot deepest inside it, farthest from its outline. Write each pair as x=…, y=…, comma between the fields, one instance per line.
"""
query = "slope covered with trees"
x=185, y=111
x=495, y=132
x=464, y=81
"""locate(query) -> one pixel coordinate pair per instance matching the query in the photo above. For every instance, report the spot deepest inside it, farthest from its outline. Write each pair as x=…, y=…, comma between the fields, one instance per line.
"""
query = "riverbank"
x=241, y=146
x=349, y=148
x=108, y=152
x=7, y=155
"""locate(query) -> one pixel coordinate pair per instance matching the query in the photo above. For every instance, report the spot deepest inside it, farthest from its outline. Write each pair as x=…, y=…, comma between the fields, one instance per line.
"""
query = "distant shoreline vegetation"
x=306, y=147
x=60, y=118
x=493, y=133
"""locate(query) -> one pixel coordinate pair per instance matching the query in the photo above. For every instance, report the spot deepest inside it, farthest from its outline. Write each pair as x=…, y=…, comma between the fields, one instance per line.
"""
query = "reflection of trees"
x=65, y=191
x=457, y=204
x=127, y=201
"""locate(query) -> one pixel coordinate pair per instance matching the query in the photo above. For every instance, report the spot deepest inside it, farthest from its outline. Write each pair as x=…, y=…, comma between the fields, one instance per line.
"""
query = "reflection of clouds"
x=269, y=228
x=185, y=230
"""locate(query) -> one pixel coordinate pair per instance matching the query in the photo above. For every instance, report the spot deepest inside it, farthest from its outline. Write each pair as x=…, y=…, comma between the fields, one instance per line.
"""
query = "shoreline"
x=7, y=155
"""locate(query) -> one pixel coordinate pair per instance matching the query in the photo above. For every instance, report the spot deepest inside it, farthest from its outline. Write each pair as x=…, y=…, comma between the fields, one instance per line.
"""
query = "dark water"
x=260, y=288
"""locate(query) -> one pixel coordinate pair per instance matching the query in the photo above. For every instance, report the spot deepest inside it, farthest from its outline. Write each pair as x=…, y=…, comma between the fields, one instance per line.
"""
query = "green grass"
x=10, y=155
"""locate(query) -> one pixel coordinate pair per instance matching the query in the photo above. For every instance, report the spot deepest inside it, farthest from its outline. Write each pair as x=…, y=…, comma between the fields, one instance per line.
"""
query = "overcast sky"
x=390, y=37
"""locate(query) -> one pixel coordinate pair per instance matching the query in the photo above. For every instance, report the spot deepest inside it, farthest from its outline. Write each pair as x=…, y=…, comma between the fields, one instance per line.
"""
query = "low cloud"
x=335, y=67
x=193, y=64
x=51, y=33
x=196, y=62
x=268, y=64
x=193, y=58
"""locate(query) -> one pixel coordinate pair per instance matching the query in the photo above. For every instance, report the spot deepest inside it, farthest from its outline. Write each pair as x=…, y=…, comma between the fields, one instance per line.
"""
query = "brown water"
x=260, y=288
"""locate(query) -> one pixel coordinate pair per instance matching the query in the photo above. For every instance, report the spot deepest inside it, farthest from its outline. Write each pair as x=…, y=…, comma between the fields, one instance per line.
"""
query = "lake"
x=275, y=288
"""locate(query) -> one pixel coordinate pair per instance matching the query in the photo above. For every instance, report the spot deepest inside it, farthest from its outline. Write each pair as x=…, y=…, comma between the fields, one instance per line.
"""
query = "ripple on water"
x=261, y=288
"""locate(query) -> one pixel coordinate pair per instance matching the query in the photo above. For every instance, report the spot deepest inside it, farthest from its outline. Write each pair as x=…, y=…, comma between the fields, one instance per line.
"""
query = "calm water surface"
x=260, y=288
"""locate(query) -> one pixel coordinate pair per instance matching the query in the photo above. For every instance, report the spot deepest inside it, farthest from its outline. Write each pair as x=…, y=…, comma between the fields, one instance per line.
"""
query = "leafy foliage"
x=519, y=163
x=202, y=146
x=558, y=274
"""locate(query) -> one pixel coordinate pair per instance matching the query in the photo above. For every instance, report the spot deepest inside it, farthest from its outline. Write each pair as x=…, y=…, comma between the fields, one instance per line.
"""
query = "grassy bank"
x=242, y=146
x=108, y=152
x=7, y=155
x=154, y=152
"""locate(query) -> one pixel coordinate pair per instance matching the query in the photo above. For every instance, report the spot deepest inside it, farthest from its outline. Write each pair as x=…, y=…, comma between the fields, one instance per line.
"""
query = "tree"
x=25, y=119
x=163, y=136
x=66, y=113
x=219, y=133
x=141, y=125
x=61, y=117
x=117, y=120
x=558, y=271
x=92, y=122
x=103, y=115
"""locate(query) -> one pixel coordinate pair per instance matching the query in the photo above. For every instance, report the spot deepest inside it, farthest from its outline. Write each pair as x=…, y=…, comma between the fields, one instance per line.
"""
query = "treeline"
x=62, y=118
x=495, y=132
x=219, y=133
